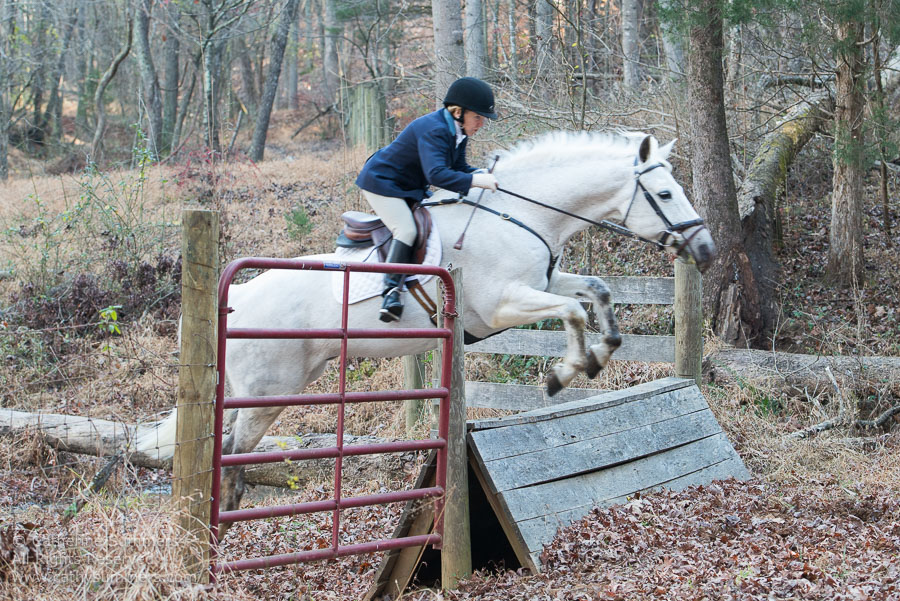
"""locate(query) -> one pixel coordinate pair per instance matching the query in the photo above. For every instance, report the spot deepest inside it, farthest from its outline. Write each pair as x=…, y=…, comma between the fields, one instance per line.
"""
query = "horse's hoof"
x=553, y=384
x=593, y=366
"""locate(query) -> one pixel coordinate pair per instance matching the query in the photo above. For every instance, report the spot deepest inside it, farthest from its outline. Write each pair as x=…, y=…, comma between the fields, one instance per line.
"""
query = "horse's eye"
x=665, y=195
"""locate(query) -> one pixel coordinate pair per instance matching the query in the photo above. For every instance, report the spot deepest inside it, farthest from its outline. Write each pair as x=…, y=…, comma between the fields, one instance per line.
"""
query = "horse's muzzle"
x=699, y=246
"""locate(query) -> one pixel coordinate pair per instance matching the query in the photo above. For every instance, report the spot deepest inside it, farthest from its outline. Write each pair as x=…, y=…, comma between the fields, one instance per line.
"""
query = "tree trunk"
x=38, y=130
x=758, y=196
x=631, y=45
x=248, y=93
x=845, y=252
x=292, y=78
x=730, y=296
x=99, y=108
x=474, y=39
x=279, y=42
x=54, y=105
x=170, y=89
x=7, y=24
x=149, y=80
x=185, y=104
x=543, y=30
x=449, y=57
x=513, y=70
x=673, y=44
x=332, y=69
x=210, y=121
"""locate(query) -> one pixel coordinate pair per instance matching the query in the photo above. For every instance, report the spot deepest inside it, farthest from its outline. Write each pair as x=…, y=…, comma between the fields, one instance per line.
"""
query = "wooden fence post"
x=192, y=464
x=688, y=311
x=413, y=379
x=456, y=554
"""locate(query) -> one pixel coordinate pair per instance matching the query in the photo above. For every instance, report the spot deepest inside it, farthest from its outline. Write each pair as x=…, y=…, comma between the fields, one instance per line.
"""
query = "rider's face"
x=472, y=122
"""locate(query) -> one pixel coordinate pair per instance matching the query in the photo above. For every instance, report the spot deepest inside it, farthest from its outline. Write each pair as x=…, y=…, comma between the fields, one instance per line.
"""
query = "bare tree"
x=449, y=57
x=332, y=75
x=474, y=40
x=171, y=53
x=99, y=107
x=279, y=41
x=631, y=44
x=730, y=295
x=7, y=50
x=149, y=81
x=845, y=250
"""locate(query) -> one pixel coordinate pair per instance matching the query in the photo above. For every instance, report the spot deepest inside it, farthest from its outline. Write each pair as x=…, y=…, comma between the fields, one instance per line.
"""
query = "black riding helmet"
x=472, y=94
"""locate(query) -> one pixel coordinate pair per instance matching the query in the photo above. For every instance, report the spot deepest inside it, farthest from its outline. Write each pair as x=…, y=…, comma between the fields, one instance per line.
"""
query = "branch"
x=322, y=113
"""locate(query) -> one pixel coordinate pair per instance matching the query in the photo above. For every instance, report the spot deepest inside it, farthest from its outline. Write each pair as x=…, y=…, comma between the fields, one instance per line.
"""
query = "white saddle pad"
x=366, y=285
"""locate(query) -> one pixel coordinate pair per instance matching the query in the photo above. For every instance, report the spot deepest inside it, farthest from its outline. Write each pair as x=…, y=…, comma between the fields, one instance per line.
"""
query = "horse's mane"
x=564, y=146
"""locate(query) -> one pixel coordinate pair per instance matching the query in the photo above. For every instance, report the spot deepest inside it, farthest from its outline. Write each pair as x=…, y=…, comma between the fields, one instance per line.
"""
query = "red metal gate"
x=338, y=452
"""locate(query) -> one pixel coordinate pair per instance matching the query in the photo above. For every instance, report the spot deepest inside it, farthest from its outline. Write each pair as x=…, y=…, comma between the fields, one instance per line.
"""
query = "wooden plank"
x=639, y=290
x=601, y=401
x=552, y=343
x=624, y=479
x=519, y=440
x=541, y=530
x=398, y=566
x=456, y=550
x=589, y=455
x=520, y=397
x=688, y=312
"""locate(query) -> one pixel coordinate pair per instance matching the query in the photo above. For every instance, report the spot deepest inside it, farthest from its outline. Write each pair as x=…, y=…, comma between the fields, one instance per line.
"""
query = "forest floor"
x=818, y=520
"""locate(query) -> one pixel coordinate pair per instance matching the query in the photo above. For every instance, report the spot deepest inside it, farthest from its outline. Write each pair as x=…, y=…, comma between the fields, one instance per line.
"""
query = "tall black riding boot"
x=392, y=307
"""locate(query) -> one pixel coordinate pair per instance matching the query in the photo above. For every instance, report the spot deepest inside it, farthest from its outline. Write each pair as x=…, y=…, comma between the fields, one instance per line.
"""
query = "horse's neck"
x=589, y=189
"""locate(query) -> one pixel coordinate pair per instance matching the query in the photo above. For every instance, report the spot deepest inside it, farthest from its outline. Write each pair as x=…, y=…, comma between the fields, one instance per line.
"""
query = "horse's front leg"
x=594, y=289
x=248, y=430
x=523, y=305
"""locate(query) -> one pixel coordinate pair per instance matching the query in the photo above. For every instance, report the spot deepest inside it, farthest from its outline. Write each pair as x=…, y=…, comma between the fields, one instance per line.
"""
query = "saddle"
x=362, y=230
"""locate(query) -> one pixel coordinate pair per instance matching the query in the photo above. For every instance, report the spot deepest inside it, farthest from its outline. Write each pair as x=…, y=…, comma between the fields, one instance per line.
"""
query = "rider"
x=430, y=150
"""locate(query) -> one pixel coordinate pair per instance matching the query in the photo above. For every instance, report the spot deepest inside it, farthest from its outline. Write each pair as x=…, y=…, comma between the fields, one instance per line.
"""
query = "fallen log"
x=803, y=375
x=92, y=436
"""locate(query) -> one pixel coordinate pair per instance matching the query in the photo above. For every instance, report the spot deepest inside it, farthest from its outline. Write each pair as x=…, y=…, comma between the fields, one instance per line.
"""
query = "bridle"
x=671, y=228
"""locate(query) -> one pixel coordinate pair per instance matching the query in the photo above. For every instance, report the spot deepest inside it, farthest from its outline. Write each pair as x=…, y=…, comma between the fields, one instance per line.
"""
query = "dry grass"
x=133, y=551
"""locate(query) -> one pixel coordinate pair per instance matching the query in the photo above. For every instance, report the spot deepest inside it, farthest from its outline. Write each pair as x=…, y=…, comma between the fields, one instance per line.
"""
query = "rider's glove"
x=484, y=180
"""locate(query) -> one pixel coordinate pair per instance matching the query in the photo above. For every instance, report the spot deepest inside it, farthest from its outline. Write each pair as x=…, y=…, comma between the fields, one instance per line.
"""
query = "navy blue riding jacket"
x=424, y=153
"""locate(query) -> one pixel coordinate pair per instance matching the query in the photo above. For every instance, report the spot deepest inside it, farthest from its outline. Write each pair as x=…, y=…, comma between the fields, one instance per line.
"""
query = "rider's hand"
x=485, y=180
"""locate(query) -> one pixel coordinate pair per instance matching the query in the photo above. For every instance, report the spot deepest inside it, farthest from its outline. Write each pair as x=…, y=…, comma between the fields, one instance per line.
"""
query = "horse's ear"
x=648, y=145
x=665, y=149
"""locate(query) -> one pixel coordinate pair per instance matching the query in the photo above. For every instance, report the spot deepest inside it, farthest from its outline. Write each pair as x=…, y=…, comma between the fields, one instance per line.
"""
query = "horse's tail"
x=158, y=440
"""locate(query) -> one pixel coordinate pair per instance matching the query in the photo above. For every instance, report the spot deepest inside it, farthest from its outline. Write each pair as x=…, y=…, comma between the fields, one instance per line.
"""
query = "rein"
x=672, y=228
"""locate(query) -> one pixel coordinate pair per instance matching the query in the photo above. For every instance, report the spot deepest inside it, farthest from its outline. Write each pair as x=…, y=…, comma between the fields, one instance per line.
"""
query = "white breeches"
x=395, y=214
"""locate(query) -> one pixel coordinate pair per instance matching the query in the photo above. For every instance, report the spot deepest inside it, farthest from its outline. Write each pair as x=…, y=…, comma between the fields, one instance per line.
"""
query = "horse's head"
x=660, y=211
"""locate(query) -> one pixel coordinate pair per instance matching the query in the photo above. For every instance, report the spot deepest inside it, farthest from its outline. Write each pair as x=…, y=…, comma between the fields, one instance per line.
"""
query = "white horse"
x=510, y=274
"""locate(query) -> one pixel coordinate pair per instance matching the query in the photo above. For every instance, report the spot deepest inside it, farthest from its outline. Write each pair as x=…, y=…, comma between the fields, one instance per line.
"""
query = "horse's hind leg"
x=523, y=305
x=595, y=290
